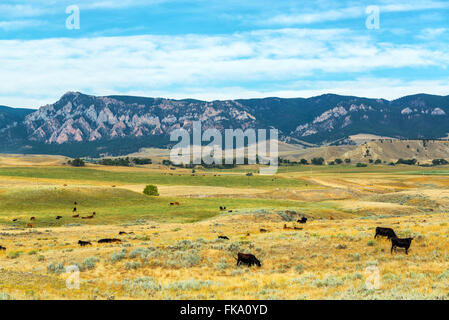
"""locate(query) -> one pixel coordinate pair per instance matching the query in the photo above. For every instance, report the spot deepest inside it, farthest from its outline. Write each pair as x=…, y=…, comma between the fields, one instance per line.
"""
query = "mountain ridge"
x=99, y=121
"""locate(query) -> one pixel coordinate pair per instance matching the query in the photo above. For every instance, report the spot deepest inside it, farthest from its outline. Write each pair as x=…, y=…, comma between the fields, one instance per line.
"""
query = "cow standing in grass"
x=248, y=259
x=385, y=232
x=401, y=243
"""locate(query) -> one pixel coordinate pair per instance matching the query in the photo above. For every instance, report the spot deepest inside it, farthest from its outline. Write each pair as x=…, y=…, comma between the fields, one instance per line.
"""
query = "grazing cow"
x=30, y=225
x=262, y=230
x=14, y=220
x=287, y=228
x=248, y=259
x=297, y=228
x=172, y=203
x=123, y=232
x=58, y=217
x=107, y=240
x=32, y=218
x=177, y=203
x=74, y=209
x=84, y=243
x=302, y=220
x=385, y=232
x=2, y=248
x=401, y=243
x=221, y=208
x=76, y=216
x=88, y=217
x=75, y=203
x=229, y=210
x=223, y=237
x=94, y=213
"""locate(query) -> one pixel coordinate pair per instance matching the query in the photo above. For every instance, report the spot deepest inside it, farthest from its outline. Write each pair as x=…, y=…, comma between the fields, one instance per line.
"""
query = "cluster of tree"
x=76, y=162
x=439, y=162
x=410, y=162
x=124, y=162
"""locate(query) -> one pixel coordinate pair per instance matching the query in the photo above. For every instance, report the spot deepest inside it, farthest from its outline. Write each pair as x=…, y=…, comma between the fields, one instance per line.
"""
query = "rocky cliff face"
x=77, y=117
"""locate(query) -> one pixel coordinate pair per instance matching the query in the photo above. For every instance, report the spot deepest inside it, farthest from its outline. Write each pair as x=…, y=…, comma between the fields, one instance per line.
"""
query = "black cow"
x=74, y=209
x=109, y=240
x=401, y=243
x=248, y=259
x=385, y=232
x=124, y=232
x=223, y=237
x=58, y=217
x=2, y=248
x=84, y=243
x=302, y=220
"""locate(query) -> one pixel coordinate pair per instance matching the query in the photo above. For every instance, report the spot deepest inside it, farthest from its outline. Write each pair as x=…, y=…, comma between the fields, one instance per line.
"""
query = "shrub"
x=14, y=254
x=151, y=190
x=361, y=165
x=118, y=256
x=347, y=160
x=132, y=265
x=141, y=253
x=90, y=262
x=56, y=267
x=338, y=161
x=5, y=296
x=299, y=268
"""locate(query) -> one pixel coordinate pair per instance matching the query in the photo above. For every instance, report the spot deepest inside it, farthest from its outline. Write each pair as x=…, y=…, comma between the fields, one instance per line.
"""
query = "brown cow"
x=248, y=259
x=32, y=218
x=76, y=216
x=30, y=225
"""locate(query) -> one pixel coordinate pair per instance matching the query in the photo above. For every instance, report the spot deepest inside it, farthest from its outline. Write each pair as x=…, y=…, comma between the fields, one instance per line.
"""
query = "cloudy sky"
x=218, y=49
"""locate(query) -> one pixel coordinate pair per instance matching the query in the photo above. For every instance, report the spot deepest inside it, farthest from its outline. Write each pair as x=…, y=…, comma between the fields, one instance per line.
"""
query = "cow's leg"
x=375, y=235
x=392, y=247
x=406, y=251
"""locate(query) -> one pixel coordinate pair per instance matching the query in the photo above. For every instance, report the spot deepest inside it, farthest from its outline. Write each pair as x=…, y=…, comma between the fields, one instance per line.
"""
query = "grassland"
x=172, y=252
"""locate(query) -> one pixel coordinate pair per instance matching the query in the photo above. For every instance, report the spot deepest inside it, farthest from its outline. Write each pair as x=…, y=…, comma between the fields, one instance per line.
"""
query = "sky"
x=218, y=49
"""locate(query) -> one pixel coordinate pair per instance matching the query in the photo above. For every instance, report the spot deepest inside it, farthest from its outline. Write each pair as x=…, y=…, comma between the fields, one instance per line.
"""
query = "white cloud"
x=33, y=71
x=344, y=13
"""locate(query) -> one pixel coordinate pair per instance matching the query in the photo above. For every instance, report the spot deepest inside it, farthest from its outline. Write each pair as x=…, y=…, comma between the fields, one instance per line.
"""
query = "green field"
x=133, y=177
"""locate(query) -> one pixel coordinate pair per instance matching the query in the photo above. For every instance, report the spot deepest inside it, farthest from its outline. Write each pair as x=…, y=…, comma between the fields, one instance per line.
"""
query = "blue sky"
x=222, y=49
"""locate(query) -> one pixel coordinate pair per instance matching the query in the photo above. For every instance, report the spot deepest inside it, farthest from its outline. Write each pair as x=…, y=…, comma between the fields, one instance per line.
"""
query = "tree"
x=361, y=165
x=378, y=161
x=76, y=162
x=347, y=160
x=318, y=161
x=304, y=161
x=151, y=190
x=338, y=161
x=439, y=162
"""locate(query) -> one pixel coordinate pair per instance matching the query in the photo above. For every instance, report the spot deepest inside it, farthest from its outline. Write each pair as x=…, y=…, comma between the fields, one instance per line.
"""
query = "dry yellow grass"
x=331, y=257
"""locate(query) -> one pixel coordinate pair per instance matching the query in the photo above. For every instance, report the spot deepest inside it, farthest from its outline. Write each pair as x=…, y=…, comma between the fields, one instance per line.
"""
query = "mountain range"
x=85, y=125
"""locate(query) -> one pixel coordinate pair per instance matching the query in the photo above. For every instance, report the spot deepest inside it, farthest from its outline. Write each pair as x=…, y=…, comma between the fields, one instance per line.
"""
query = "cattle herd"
x=242, y=258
